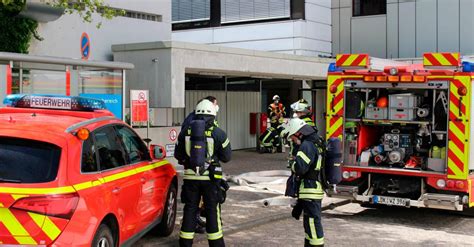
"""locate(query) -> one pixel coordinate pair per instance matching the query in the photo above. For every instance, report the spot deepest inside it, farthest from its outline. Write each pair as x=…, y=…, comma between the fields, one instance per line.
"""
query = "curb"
x=257, y=222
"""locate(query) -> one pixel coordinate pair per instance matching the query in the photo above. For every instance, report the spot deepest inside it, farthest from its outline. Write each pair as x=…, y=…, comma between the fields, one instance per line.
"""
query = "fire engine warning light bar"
x=72, y=103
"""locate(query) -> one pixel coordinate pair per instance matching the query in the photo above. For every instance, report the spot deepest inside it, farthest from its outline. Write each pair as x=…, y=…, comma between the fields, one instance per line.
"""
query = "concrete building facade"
x=402, y=28
x=145, y=20
x=299, y=27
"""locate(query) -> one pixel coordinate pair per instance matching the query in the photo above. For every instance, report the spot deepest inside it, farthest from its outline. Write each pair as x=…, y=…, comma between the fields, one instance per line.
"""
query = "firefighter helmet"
x=206, y=107
x=276, y=97
x=301, y=106
x=294, y=126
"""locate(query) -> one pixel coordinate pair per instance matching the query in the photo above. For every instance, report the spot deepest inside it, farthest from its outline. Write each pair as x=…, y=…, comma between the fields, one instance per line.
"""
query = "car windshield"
x=28, y=161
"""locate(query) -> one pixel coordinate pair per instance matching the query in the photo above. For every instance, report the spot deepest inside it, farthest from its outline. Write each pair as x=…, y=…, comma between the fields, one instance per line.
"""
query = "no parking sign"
x=85, y=46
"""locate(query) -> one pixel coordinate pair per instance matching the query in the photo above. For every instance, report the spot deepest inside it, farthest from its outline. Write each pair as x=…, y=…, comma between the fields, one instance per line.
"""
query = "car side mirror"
x=157, y=152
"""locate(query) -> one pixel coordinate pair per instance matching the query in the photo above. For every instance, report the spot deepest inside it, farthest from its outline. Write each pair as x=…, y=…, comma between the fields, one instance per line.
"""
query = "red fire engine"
x=405, y=128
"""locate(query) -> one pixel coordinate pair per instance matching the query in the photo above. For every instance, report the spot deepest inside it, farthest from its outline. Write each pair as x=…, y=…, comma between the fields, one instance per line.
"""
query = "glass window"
x=100, y=81
x=249, y=10
x=28, y=161
x=89, y=158
x=190, y=10
x=134, y=147
x=109, y=148
x=369, y=7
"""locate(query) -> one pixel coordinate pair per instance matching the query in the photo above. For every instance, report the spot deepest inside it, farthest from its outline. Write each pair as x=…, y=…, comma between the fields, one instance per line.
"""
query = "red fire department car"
x=71, y=174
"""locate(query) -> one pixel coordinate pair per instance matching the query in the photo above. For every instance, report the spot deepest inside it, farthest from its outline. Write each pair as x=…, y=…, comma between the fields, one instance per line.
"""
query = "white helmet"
x=294, y=126
x=206, y=107
x=276, y=97
x=300, y=106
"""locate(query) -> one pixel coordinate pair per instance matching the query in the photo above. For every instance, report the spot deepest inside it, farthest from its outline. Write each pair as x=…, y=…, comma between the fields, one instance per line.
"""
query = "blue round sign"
x=85, y=46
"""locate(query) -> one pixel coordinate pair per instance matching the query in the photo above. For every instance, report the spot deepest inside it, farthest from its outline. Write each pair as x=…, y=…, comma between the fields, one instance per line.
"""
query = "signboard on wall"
x=139, y=106
x=113, y=102
x=170, y=150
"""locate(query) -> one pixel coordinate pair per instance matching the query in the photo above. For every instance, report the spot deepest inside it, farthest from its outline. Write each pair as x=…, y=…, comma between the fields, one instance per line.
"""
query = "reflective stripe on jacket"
x=307, y=165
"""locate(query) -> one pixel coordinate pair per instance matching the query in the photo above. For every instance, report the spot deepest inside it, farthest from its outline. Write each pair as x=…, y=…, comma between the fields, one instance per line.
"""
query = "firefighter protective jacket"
x=307, y=166
x=276, y=112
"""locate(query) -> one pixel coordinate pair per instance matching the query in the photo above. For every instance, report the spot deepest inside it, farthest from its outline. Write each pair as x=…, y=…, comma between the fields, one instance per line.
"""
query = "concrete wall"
x=161, y=66
x=409, y=29
x=309, y=37
x=234, y=113
x=62, y=37
x=160, y=136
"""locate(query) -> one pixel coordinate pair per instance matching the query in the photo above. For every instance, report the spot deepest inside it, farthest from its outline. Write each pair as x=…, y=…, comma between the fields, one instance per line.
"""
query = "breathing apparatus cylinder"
x=198, y=151
x=333, y=169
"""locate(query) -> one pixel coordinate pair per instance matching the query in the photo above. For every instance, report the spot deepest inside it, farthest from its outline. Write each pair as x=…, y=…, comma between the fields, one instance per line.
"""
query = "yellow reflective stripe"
x=219, y=223
x=210, y=147
x=315, y=241
x=313, y=228
x=14, y=227
x=118, y=176
x=45, y=223
x=186, y=235
x=226, y=143
x=217, y=176
x=215, y=236
x=303, y=156
x=202, y=178
x=264, y=140
x=81, y=186
x=219, y=234
x=311, y=191
x=37, y=191
x=310, y=196
x=187, y=145
x=318, y=164
x=89, y=184
x=190, y=172
x=293, y=167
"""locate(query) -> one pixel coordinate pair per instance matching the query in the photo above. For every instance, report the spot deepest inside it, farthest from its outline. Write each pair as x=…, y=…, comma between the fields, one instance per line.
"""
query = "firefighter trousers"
x=191, y=194
x=271, y=138
x=313, y=228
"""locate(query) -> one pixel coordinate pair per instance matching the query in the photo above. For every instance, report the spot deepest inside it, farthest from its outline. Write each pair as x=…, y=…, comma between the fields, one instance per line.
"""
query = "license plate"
x=392, y=201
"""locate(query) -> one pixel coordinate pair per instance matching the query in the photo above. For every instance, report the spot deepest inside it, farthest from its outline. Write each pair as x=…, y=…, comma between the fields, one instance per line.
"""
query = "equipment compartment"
x=396, y=130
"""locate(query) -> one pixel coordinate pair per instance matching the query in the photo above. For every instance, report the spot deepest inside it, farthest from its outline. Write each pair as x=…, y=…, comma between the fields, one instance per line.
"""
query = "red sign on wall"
x=139, y=106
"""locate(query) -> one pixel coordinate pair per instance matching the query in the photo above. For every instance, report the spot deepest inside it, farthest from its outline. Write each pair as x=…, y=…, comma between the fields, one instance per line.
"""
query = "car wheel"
x=103, y=237
x=166, y=227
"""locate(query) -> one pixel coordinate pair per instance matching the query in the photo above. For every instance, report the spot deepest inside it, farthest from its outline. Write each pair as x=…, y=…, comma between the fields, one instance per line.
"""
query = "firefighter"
x=276, y=112
x=200, y=149
x=306, y=167
x=270, y=139
x=302, y=110
x=201, y=224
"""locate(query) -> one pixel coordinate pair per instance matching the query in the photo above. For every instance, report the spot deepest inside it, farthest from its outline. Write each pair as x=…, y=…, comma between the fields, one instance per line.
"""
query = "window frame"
x=124, y=148
x=91, y=137
x=61, y=155
x=297, y=12
x=97, y=151
x=365, y=15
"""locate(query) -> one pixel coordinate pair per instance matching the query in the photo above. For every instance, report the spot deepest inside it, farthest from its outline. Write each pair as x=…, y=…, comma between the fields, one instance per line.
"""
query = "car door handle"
x=116, y=190
x=143, y=180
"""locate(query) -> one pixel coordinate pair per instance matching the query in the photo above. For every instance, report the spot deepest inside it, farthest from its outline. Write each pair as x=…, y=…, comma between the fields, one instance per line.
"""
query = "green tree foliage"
x=17, y=32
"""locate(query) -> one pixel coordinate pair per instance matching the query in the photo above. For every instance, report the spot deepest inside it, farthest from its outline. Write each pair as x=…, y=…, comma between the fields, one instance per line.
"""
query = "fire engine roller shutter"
x=335, y=106
x=459, y=128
